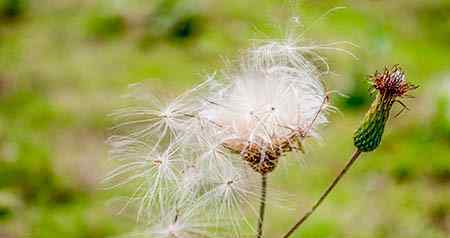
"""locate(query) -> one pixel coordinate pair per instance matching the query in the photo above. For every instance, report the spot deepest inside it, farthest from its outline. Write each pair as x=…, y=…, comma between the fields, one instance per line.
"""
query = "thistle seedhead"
x=389, y=86
x=206, y=145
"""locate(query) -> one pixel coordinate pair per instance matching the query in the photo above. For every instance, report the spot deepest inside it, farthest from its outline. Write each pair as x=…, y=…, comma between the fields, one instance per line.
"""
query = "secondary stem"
x=262, y=206
x=325, y=194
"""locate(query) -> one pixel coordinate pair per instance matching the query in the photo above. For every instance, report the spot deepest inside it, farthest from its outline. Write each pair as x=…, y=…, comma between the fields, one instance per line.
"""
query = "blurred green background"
x=64, y=65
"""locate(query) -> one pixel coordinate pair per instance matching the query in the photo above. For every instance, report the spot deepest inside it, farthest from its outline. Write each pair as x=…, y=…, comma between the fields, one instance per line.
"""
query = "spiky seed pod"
x=390, y=84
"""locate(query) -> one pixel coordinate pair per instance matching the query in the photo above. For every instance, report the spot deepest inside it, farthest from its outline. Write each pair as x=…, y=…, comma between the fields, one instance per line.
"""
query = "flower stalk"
x=262, y=206
x=390, y=85
x=336, y=180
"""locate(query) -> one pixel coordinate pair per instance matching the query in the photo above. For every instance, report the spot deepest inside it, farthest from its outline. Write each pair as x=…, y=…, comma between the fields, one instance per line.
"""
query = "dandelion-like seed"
x=271, y=105
x=184, y=219
x=208, y=143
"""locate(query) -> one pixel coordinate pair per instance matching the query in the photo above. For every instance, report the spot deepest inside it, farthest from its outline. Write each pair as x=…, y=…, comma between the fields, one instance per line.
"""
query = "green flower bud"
x=390, y=85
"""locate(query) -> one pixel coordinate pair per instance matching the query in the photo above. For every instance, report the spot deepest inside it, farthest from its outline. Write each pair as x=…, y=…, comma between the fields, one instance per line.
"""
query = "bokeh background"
x=64, y=65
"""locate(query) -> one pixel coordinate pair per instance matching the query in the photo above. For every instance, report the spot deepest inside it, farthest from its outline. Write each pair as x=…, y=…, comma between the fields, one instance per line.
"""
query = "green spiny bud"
x=390, y=85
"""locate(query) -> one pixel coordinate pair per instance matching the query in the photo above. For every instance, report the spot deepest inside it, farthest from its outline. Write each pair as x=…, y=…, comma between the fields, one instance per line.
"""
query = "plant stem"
x=262, y=206
x=325, y=194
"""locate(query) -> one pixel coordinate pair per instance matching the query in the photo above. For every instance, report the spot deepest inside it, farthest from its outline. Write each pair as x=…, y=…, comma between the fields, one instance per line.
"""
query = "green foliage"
x=10, y=9
x=323, y=228
x=357, y=94
x=5, y=213
x=434, y=20
x=71, y=221
x=104, y=26
x=173, y=21
x=440, y=121
x=186, y=27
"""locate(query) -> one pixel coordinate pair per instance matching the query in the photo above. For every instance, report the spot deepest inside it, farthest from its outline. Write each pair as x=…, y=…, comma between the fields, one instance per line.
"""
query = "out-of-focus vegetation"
x=64, y=65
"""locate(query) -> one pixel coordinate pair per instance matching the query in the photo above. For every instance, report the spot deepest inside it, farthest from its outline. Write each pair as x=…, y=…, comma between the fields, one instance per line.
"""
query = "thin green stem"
x=325, y=194
x=262, y=206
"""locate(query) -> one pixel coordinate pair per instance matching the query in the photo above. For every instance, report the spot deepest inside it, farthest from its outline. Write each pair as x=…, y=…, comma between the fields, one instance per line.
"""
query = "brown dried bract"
x=263, y=157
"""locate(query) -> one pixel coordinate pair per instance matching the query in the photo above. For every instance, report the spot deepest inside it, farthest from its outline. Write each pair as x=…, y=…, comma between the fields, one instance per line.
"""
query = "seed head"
x=206, y=144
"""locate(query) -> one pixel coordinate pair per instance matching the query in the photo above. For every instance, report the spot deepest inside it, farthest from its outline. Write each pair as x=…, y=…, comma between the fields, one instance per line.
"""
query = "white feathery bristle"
x=185, y=219
x=276, y=91
x=154, y=173
x=231, y=192
x=176, y=152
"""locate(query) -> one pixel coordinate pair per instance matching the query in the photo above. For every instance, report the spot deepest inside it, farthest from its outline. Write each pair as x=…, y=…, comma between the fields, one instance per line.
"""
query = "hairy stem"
x=262, y=206
x=325, y=194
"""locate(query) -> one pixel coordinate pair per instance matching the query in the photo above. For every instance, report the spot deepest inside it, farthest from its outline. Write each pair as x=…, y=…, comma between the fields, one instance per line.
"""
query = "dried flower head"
x=206, y=144
x=391, y=82
x=389, y=85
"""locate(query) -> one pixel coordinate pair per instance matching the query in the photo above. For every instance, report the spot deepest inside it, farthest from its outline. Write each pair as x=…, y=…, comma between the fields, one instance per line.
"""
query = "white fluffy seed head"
x=181, y=151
